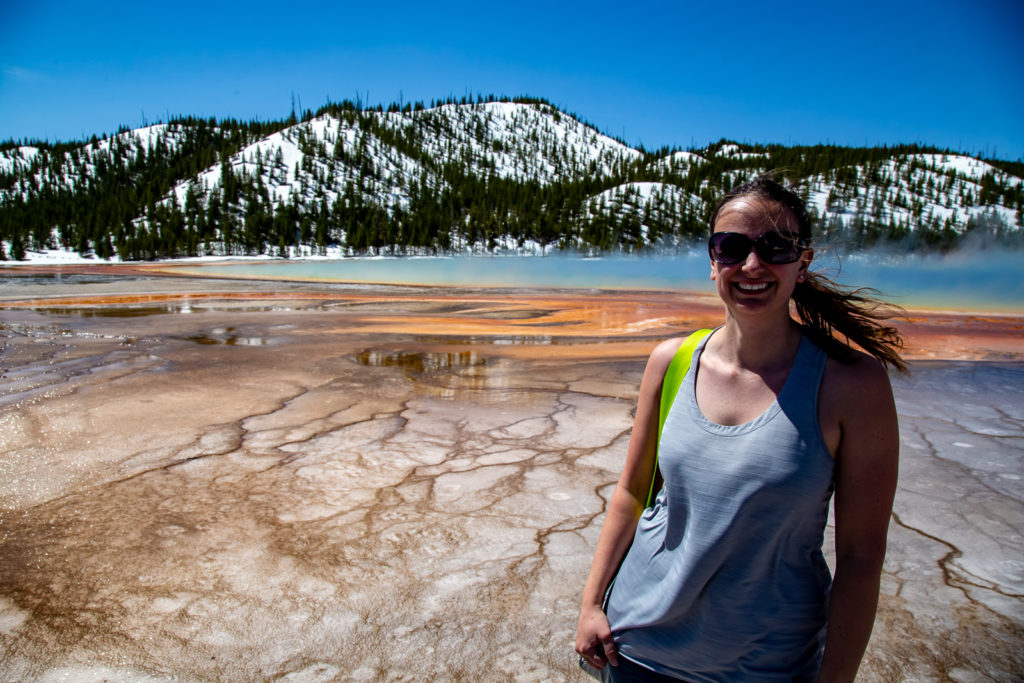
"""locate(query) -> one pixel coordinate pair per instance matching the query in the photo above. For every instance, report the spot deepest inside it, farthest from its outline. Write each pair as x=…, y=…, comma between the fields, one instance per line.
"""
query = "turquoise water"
x=977, y=281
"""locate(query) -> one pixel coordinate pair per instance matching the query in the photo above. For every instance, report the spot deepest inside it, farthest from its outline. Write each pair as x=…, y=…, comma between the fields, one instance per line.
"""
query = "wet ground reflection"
x=119, y=312
x=413, y=491
x=419, y=362
x=226, y=336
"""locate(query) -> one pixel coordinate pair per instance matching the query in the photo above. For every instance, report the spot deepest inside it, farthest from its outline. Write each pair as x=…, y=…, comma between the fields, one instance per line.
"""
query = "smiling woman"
x=723, y=577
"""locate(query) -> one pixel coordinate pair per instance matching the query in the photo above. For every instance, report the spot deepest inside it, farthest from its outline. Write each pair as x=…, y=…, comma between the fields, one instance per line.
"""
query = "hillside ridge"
x=483, y=176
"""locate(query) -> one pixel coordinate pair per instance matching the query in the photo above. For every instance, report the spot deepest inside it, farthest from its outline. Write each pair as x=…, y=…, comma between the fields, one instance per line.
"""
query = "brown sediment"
x=408, y=483
x=963, y=336
x=614, y=316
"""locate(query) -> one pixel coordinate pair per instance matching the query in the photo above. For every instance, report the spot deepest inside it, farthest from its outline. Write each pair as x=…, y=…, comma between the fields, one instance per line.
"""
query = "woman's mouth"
x=752, y=287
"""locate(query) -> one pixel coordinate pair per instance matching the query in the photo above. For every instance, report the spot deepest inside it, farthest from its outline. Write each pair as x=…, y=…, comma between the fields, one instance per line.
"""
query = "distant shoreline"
x=930, y=334
x=366, y=274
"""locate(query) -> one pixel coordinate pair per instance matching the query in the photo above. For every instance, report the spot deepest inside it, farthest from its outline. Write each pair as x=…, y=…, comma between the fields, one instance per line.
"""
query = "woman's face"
x=754, y=285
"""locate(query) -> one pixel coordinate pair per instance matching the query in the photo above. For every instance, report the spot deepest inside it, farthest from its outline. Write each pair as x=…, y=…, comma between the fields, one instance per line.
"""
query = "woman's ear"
x=805, y=262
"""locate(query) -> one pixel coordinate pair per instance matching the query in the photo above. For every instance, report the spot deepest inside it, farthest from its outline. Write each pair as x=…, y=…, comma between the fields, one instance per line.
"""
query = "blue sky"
x=678, y=74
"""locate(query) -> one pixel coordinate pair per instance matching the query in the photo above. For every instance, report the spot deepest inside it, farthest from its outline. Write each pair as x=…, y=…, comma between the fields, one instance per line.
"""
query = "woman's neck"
x=758, y=346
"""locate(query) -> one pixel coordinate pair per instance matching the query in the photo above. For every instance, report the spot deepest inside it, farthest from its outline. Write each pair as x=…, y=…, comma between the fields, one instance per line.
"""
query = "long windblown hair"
x=827, y=309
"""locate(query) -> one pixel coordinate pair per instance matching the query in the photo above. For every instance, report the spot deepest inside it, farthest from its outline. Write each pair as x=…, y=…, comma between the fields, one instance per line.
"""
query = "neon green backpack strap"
x=674, y=375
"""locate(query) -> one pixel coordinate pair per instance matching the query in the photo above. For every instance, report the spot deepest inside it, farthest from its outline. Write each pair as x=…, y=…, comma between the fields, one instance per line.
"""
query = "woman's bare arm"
x=593, y=635
x=867, y=460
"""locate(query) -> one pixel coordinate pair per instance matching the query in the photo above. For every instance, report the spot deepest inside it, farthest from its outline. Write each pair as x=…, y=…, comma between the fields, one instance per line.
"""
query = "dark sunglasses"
x=730, y=248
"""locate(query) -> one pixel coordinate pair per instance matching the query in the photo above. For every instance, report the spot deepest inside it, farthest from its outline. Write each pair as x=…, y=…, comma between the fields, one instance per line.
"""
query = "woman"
x=723, y=578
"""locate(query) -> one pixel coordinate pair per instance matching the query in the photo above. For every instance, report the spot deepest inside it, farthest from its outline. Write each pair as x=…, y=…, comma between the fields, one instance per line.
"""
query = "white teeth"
x=759, y=287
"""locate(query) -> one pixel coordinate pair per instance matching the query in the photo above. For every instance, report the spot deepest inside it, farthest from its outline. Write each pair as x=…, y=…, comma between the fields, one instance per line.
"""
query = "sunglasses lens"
x=729, y=248
x=774, y=247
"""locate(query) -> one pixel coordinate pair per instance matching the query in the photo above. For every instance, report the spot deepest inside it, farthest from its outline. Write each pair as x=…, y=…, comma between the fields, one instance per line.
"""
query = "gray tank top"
x=725, y=579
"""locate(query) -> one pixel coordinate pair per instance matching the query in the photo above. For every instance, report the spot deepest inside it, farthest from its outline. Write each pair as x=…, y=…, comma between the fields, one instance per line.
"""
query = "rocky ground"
x=209, y=480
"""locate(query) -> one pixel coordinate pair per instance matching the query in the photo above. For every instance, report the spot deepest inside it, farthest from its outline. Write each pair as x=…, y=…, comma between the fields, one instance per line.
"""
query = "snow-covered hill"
x=470, y=175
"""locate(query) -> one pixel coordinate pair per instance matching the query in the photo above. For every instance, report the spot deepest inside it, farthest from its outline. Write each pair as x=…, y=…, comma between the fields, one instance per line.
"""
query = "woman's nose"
x=753, y=261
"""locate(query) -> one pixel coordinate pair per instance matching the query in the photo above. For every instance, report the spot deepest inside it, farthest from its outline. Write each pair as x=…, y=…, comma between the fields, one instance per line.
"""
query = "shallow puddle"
x=228, y=338
x=419, y=362
x=114, y=312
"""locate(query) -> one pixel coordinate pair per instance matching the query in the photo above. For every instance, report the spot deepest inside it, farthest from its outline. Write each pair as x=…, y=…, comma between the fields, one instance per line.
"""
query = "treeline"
x=412, y=178
x=90, y=197
x=878, y=195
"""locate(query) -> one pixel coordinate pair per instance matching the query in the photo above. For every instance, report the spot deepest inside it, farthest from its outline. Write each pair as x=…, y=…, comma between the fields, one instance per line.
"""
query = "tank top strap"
x=799, y=396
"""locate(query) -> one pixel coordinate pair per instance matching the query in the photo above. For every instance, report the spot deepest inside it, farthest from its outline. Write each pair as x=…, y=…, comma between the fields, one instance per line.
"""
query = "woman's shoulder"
x=662, y=355
x=856, y=371
x=855, y=399
x=855, y=384
x=664, y=352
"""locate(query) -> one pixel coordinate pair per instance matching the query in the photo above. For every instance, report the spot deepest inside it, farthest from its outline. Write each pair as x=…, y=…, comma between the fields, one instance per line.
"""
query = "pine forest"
x=475, y=175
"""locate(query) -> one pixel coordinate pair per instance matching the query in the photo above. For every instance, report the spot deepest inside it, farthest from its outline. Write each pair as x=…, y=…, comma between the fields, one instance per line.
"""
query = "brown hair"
x=826, y=308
